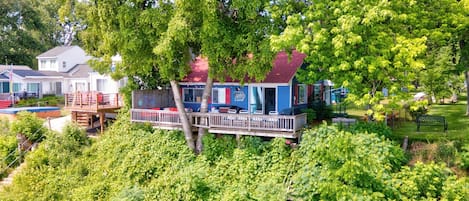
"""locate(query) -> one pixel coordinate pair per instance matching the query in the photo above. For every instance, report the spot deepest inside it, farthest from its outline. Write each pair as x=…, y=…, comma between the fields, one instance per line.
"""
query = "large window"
x=5, y=87
x=17, y=87
x=192, y=95
x=101, y=84
x=219, y=96
x=53, y=64
x=302, y=91
x=33, y=87
x=43, y=64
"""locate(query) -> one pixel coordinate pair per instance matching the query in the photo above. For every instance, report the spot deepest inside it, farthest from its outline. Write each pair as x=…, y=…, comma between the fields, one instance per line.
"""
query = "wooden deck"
x=84, y=106
x=287, y=126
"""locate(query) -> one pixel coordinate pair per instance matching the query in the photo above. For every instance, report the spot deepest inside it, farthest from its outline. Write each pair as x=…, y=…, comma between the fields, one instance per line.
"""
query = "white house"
x=21, y=80
x=77, y=76
x=61, y=58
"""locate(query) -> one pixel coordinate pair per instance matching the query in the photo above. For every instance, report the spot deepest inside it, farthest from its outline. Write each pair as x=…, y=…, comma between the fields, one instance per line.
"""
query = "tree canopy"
x=27, y=28
x=369, y=45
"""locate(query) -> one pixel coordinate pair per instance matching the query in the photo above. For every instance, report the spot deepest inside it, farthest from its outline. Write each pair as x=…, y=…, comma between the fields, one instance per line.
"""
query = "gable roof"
x=80, y=70
x=282, y=71
x=54, y=52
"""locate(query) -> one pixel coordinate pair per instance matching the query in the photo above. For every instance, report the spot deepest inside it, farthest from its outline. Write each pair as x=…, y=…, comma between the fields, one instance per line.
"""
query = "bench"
x=431, y=120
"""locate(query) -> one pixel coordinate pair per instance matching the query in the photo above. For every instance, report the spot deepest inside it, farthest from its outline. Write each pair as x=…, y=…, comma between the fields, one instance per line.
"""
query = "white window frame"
x=219, y=96
x=102, y=87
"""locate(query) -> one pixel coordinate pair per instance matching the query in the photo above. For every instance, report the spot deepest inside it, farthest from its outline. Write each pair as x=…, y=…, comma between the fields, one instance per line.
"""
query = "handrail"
x=93, y=100
x=285, y=123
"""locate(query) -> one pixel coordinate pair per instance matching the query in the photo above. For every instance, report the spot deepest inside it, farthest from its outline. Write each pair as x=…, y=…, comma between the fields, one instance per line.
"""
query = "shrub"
x=310, y=114
x=464, y=157
x=8, y=146
x=446, y=152
x=378, y=128
x=323, y=111
x=29, y=125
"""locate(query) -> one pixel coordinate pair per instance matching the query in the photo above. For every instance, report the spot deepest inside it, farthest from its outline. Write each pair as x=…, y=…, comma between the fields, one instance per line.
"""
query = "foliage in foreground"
x=128, y=163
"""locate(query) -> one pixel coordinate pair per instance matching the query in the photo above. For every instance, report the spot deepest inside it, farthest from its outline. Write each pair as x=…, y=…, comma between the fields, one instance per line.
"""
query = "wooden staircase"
x=83, y=119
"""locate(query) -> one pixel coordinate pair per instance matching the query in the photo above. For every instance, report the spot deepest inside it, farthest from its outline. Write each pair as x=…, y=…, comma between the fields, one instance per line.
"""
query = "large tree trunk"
x=204, y=109
x=186, y=124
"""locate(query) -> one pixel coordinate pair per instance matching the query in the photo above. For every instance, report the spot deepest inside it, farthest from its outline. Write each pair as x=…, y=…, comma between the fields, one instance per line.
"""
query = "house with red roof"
x=279, y=93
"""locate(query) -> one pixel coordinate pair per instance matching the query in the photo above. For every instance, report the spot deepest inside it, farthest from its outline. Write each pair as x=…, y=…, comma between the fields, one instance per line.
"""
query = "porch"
x=286, y=126
x=86, y=107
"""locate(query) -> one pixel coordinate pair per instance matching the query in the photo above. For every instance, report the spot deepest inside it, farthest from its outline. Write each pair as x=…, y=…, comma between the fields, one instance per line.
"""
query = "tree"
x=464, y=46
x=160, y=39
x=26, y=31
x=362, y=45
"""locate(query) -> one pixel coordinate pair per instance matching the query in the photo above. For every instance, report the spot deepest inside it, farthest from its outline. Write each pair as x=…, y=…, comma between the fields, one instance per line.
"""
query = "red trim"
x=227, y=96
x=310, y=90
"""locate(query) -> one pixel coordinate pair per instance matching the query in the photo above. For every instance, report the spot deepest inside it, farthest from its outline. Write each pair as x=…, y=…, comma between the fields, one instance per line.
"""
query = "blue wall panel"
x=283, y=97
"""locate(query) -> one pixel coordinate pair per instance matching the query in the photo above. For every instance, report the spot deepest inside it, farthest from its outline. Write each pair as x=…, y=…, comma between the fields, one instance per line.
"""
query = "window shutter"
x=227, y=96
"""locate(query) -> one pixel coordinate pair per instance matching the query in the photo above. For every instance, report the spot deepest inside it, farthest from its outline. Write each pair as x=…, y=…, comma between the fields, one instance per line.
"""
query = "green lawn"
x=458, y=123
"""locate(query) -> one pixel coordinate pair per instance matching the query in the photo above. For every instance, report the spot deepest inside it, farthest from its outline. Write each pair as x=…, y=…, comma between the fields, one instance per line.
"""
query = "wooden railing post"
x=97, y=102
x=66, y=99
x=117, y=99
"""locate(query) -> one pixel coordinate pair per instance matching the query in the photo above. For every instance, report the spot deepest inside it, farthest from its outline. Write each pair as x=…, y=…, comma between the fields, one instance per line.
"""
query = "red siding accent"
x=310, y=90
x=227, y=96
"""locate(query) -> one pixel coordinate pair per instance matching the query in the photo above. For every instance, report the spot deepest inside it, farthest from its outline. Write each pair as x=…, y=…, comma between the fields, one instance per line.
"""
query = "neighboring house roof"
x=283, y=70
x=54, y=52
x=78, y=71
x=14, y=67
x=28, y=73
x=51, y=73
x=4, y=77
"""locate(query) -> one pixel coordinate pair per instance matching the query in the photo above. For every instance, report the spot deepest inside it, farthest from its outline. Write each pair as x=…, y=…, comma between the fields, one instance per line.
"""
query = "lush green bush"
x=310, y=115
x=28, y=124
x=129, y=163
x=464, y=157
x=379, y=128
x=8, y=153
x=323, y=111
x=421, y=181
x=338, y=165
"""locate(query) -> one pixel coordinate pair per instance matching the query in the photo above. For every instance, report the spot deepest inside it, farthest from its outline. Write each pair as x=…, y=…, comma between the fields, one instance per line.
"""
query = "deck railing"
x=92, y=99
x=249, y=122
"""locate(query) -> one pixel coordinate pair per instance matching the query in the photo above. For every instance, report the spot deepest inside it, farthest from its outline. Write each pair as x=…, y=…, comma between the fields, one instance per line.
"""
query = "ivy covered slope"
x=135, y=163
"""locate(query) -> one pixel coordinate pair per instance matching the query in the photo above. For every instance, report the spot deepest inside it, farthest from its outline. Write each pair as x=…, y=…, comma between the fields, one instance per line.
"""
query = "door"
x=270, y=100
x=58, y=88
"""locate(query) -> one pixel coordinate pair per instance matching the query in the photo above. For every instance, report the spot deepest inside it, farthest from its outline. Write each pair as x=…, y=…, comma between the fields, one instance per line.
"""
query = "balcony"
x=287, y=126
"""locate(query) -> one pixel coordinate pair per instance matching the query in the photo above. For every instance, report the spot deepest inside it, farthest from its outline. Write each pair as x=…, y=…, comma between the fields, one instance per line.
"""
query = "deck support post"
x=238, y=138
x=101, y=121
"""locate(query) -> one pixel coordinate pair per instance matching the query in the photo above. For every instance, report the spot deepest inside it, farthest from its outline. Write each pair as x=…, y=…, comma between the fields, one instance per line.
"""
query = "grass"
x=458, y=123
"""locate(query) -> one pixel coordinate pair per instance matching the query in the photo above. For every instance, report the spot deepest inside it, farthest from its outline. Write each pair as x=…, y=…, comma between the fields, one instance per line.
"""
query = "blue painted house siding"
x=237, y=95
x=284, y=98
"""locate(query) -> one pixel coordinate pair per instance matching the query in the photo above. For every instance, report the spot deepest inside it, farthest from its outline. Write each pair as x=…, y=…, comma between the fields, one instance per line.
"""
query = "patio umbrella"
x=419, y=95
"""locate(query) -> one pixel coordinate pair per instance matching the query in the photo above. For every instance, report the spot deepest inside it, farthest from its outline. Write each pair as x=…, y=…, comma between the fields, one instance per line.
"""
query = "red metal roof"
x=282, y=71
